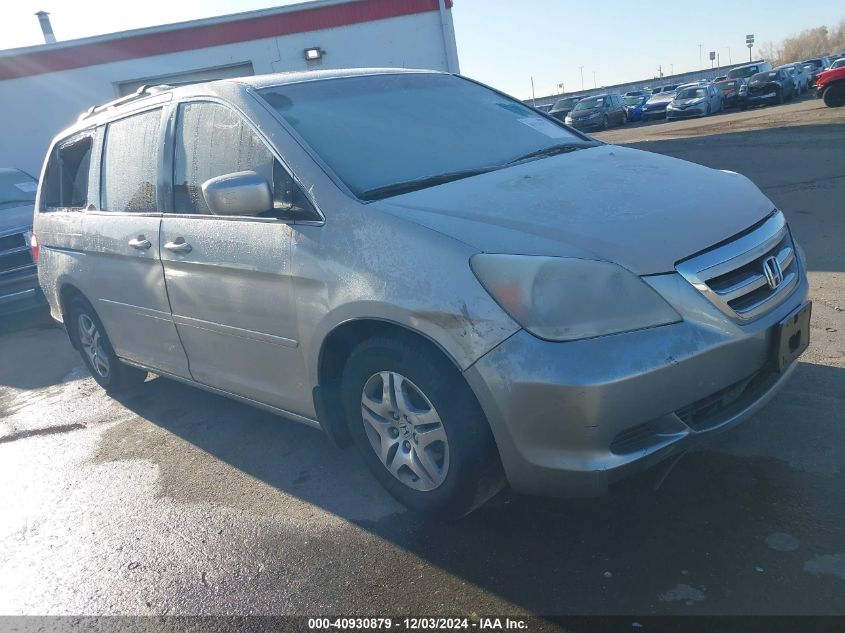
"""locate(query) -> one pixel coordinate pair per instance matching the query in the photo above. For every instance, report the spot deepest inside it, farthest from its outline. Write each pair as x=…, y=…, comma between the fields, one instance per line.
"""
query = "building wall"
x=38, y=106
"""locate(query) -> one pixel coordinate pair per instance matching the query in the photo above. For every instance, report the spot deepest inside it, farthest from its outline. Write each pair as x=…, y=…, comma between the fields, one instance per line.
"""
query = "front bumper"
x=586, y=124
x=659, y=113
x=687, y=113
x=20, y=292
x=766, y=99
x=571, y=418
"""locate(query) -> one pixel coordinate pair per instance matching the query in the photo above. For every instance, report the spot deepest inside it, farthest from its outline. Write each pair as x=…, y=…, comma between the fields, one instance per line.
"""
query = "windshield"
x=564, y=104
x=839, y=63
x=380, y=130
x=589, y=103
x=743, y=72
x=812, y=63
x=634, y=101
x=727, y=85
x=692, y=93
x=16, y=186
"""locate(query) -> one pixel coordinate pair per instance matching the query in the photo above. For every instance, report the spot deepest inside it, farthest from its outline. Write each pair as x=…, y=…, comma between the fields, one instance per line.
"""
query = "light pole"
x=581, y=68
x=594, y=79
x=560, y=88
x=749, y=42
x=730, y=61
x=671, y=69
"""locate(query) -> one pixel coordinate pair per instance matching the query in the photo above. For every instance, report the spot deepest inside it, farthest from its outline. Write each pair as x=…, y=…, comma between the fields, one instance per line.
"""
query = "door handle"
x=140, y=242
x=178, y=247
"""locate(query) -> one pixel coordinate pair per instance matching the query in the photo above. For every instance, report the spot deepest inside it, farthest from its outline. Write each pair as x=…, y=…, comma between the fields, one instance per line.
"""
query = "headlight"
x=565, y=299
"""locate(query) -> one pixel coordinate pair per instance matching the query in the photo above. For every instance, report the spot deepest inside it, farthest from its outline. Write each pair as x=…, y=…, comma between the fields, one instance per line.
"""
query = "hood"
x=15, y=217
x=663, y=97
x=641, y=210
x=686, y=102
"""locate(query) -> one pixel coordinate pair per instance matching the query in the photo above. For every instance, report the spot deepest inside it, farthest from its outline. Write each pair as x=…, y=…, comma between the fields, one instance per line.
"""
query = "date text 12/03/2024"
x=418, y=624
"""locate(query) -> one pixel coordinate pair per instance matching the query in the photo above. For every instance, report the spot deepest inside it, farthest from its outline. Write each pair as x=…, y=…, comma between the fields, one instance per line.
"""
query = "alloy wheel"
x=405, y=430
x=92, y=345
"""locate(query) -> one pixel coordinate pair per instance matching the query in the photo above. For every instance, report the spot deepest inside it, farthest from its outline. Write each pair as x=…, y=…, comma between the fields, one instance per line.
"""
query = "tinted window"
x=213, y=140
x=130, y=157
x=66, y=179
x=382, y=130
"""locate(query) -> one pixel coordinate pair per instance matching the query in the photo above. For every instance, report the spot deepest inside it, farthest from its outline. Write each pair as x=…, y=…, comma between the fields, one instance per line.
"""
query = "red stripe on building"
x=193, y=37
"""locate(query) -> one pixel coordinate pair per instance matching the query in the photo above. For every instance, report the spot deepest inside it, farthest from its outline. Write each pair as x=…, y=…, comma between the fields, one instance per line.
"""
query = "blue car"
x=634, y=107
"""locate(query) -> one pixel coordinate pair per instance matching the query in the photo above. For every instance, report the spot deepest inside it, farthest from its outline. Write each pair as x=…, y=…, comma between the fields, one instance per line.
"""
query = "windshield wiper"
x=552, y=150
x=397, y=188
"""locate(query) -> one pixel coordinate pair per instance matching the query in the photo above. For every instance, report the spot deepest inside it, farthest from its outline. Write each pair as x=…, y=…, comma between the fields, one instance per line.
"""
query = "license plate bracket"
x=793, y=335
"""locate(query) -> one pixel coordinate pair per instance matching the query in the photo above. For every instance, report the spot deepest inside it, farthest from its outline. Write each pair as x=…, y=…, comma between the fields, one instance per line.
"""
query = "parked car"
x=730, y=91
x=664, y=89
x=747, y=70
x=634, y=107
x=838, y=63
x=544, y=107
x=655, y=107
x=720, y=78
x=694, y=101
x=597, y=112
x=645, y=92
x=531, y=306
x=831, y=87
x=816, y=66
x=19, y=288
x=800, y=77
x=564, y=106
x=770, y=87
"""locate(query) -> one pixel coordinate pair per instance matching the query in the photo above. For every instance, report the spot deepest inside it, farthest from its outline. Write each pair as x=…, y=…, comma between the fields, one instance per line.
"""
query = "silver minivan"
x=466, y=289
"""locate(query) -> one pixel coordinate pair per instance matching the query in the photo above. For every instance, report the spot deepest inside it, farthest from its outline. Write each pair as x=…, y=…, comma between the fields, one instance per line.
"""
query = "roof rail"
x=140, y=93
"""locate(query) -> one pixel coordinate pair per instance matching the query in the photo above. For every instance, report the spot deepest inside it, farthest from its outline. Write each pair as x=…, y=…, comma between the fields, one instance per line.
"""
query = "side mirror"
x=240, y=193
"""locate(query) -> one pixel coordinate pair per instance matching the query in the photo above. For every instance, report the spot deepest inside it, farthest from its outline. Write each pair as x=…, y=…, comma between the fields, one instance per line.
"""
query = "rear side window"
x=66, y=179
x=213, y=140
x=130, y=159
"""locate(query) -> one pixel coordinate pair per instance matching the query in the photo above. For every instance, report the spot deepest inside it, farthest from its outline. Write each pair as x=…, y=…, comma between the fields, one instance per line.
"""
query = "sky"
x=505, y=43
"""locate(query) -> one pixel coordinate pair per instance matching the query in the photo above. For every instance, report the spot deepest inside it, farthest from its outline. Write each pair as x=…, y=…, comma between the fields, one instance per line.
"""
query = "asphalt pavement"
x=175, y=501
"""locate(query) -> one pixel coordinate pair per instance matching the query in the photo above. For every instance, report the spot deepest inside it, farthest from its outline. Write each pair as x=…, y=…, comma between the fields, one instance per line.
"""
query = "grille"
x=733, y=275
x=14, y=253
x=8, y=242
x=710, y=411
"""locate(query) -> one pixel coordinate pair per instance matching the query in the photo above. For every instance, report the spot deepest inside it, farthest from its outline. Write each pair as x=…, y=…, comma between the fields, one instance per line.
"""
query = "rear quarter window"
x=68, y=174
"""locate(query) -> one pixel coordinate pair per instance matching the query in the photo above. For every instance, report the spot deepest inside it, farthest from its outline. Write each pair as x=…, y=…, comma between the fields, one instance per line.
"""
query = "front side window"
x=378, y=132
x=66, y=178
x=213, y=140
x=130, y=158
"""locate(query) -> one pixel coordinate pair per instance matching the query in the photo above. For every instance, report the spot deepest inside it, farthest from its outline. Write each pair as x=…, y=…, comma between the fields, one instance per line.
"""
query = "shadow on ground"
x=703, y=533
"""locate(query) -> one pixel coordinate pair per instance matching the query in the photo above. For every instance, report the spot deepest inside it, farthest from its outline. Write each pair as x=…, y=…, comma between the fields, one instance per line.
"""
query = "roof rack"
x=140, y=93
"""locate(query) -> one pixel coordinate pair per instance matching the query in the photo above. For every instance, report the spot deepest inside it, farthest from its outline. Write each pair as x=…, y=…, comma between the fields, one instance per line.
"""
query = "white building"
x=44, y=88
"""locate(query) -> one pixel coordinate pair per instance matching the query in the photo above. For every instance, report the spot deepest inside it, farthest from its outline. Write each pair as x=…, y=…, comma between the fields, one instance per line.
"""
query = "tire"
x=605, y=123
x=462, y=468
x=90, y=338
x=780, y=97
x=834, y=95
x=708, y=110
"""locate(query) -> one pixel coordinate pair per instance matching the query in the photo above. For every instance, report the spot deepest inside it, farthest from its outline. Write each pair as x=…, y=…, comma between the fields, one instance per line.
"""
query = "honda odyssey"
x=467, y=290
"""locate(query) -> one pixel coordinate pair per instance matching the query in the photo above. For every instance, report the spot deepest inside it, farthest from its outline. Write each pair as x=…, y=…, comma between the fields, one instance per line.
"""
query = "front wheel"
x=834, y=95
x=419, y=428
x=90, y=338
x=605, y=122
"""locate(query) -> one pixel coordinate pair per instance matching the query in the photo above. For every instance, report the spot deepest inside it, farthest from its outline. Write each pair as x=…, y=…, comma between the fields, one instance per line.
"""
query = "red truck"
x=830, y=86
